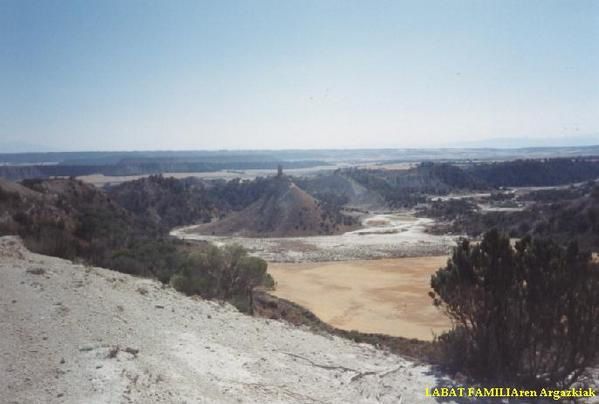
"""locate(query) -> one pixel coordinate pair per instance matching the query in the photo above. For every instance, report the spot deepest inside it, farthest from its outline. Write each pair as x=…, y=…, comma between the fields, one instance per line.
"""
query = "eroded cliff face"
x=70, y=333
x=283, y=210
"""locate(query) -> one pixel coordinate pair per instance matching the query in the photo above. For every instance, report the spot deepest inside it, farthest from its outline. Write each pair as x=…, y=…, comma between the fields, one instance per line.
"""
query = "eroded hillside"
x=73, y=334
x=282, y=210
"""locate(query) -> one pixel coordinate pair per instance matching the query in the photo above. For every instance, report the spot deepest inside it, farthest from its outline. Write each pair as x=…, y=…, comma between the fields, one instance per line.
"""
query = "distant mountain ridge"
x=528, y=142
x=24, y=147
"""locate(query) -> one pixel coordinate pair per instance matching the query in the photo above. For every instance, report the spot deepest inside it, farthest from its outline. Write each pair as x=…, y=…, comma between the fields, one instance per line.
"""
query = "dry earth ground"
x=386, y=296
x=76, y=334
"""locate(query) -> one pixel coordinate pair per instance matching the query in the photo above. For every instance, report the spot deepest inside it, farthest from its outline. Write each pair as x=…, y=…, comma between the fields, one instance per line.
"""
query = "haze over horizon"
x=110, y=75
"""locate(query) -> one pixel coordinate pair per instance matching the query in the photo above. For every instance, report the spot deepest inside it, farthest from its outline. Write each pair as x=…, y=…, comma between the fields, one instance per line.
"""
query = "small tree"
x=528, y=316
x=226, y=273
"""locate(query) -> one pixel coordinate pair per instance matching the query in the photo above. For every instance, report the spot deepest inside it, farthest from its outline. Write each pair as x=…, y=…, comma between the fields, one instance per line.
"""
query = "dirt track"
x=388, y=296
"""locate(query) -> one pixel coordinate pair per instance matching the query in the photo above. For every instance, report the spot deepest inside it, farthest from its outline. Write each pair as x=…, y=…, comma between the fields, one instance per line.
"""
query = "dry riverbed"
x=355, y=281
x=387, y=296
x=382, y=236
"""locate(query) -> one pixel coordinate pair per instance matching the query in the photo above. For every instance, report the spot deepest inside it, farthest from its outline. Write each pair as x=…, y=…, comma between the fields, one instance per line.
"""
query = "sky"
x=175, y=75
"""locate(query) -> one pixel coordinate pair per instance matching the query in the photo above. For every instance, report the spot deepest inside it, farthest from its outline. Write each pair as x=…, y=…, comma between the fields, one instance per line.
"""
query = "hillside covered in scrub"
x=166, y=201
x=536, y=172
x=70, y=219
x=149, y=207
x=126, y=228
x=260, y=207
x=381, y=188
x=406, y=188
x=567, y=214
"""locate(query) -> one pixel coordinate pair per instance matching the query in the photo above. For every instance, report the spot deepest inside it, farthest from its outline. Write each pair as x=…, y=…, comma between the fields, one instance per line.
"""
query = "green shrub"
x=526, y=316
x=181, y=283
x=51, y=240
x=227, y=273
x=268, y=281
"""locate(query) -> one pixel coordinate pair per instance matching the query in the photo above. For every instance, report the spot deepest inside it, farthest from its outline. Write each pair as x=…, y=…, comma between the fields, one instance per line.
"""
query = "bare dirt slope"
x=15, y=188
x=357, y=195
x=75, y=334
x=286, y=210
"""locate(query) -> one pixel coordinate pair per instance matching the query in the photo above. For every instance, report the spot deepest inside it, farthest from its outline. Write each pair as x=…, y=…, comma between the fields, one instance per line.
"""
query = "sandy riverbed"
x=337, y=278
x=387, y=235
x=388, y=296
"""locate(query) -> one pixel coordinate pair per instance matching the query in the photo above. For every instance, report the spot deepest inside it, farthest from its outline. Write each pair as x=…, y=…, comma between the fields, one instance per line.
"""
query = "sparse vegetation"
x=539, y=172
x=453, y=208
x=70, y=219
x=562, y=214
x=407, y=188
x=514, y=293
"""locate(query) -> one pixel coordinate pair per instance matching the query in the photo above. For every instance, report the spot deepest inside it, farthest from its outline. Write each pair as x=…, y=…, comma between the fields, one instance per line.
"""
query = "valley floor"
x=76, y=334
x=387, y=296
x=381, y=236
x=355, y=280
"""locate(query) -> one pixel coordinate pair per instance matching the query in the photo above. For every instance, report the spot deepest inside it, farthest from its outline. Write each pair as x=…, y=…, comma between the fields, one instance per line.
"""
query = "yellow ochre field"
x=388, y=296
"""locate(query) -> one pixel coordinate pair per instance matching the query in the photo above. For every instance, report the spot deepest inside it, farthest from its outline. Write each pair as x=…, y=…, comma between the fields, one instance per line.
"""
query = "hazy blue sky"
x=295, y=74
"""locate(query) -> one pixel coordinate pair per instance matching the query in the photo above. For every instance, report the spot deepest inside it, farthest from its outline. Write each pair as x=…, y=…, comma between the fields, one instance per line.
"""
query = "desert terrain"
x=355, y=280
x=382, y=235
x=342, y=257
x=76, y=334
x=386, y=296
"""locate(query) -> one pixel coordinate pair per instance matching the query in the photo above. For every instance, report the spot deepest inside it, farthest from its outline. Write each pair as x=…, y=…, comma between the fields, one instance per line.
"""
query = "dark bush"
x=8, y=197
x=51, y=240
x=449, y=209
x=226, y=273
x=535, y=172
x=527, y=316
